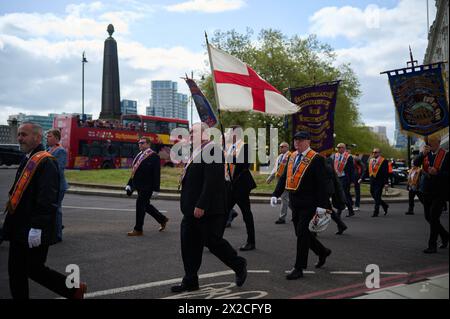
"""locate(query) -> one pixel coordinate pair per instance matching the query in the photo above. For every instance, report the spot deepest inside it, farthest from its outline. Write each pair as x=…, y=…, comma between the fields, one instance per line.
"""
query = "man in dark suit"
x=145, y=178
x=343, y=165
x=203, y=205
x=30, y=225
x=377, y=170
x=434, y=188
x=240, y=183
x=306, y=180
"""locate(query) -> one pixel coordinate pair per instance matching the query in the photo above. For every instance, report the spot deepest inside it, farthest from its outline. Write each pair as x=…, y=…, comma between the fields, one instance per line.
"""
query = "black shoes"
x=430, y=250
x=350, y=214
x=386, y=209
x=241, y=275
x=247, y=247
x=323, y=258
x=444, y=244
x=280, y=221
x=183, y=287
x=374, y=215
x=409, y=212
x=295, y=274
x=341, y=230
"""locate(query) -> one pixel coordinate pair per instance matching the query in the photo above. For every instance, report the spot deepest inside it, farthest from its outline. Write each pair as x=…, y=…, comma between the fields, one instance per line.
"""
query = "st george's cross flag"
x=240, y=88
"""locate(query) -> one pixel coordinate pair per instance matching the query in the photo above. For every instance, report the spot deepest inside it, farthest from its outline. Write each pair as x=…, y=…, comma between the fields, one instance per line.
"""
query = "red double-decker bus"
x=95, y=144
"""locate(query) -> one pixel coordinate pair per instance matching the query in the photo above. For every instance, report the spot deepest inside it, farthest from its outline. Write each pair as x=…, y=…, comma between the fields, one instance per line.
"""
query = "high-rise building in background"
x=400, y=140
x=166, y=101
x=128, y=107
x=438, y=47
x=6, y=135
x=381, y=132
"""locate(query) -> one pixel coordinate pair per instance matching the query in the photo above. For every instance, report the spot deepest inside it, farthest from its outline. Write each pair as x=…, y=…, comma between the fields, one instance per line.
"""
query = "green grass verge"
x=169, y=178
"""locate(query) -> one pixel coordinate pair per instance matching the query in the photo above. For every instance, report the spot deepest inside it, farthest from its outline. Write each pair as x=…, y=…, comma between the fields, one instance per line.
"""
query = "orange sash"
x=437, y=160
x=293, y=179
x=25, y=179
x=283, y=164
x=234, y=155
x=374, y=168
x=413, y=177
x=340, y=165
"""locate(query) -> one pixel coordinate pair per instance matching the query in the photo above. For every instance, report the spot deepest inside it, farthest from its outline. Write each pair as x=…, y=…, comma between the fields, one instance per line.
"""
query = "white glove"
x=273, y=201
x=128, y=188
x=320, y=211
x=155, y=194
x=34, y=238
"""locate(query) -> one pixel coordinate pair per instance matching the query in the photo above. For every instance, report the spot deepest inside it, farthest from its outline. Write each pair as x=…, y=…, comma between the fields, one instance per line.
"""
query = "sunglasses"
x=142, y=143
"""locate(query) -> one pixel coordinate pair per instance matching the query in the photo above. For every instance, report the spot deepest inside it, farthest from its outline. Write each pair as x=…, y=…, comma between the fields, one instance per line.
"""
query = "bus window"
x=162, y=128
x=128, y=149
x=150, y=126
x=183, y=125
x=95, y=149
x=84, y=148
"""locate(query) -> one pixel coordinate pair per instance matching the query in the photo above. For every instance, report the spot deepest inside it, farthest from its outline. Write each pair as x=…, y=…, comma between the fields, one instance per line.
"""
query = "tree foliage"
x=294, y=62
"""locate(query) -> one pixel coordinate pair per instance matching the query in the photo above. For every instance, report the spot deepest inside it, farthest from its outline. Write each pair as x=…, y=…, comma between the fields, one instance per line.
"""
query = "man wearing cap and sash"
x=30, y=223
x=203, y=205
x=434, y=189
x=305, y=178
x=377, y=170
x=145, y=178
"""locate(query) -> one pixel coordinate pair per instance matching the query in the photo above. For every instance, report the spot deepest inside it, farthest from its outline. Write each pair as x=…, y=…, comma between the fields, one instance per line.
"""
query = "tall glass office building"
x=166, y=101
x=128, y=107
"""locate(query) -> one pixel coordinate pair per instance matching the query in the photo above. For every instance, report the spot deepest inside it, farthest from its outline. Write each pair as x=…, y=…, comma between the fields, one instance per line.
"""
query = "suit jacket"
x=61, y=156
x=312, y=192
x=382, y=177
x=148, y=175
x=435, y=185
x=242, y=180
x=334, y=186
x=37, y=208
x=349, y=168
x=203, y=185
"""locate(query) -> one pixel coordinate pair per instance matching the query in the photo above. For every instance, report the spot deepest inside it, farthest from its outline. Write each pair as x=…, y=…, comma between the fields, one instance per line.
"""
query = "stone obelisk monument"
x=110, y=85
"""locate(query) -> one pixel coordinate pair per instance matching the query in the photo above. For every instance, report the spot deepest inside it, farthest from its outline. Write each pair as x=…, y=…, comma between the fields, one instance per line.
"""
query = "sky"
x=41, y=43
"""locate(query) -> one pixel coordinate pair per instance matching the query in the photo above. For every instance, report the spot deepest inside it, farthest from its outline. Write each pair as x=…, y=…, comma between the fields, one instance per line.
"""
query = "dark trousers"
x=305, y=240
x=143, y=206
x=411, y=196
x=197, y=233
x=27, y=263
x=377, y=191
x=345, y=182
x=337, y=219
x=243, y=201
x=357, y=193
x=433, y=211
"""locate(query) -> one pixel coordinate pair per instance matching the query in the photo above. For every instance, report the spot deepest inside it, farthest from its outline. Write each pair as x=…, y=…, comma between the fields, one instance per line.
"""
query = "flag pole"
x=217, y=103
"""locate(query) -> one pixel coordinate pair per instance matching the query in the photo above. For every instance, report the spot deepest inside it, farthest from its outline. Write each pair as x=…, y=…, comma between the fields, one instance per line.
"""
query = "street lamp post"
x=83, y=61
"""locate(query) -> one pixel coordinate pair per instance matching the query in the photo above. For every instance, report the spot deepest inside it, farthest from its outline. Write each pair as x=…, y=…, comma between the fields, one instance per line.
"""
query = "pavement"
x=119, y=267
x=392, y=195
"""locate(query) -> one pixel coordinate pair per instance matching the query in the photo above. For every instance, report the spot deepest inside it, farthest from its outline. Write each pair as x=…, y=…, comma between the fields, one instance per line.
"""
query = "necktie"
x=297, y=162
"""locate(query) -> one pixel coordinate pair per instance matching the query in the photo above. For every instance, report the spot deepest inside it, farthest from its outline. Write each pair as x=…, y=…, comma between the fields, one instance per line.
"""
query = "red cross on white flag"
x=239, y=88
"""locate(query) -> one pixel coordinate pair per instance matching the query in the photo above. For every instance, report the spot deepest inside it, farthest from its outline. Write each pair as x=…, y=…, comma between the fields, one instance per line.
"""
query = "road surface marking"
x=102, y=208
x=161, y=283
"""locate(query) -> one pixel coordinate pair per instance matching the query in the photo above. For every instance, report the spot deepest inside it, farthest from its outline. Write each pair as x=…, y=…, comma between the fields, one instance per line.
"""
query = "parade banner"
x=204, y=109
x=420, y=99
x=317, y=104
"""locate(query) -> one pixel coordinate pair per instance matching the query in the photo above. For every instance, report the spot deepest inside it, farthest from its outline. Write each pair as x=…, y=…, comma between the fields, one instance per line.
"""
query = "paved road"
x=145, y=267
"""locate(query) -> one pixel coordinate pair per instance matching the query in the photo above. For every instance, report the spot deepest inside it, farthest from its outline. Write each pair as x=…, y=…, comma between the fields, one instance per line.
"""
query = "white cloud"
x=207, y=6
x=40, y=59
x=379, y=39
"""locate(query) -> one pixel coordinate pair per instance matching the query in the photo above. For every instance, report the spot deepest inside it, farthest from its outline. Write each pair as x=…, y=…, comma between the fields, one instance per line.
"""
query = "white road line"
x=161, y=283
x=102, y=208
x=304, y=272
x=346, y=272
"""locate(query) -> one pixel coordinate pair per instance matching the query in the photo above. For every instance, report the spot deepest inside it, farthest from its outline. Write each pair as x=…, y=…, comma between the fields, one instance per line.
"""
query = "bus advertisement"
x=99, y=144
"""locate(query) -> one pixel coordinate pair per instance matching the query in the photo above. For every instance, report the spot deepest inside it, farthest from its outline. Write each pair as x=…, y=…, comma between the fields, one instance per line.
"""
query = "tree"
x=294, y=62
